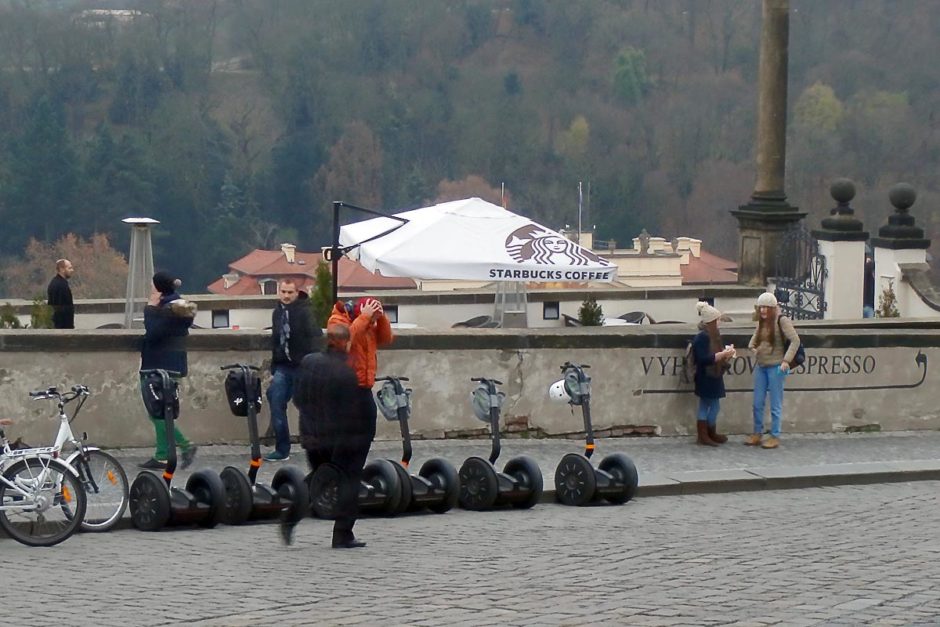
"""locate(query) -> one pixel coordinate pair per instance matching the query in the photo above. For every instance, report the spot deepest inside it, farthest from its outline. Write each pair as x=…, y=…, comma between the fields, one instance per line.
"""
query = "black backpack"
x=800, y=356
x=237, y=392
x=153, y=393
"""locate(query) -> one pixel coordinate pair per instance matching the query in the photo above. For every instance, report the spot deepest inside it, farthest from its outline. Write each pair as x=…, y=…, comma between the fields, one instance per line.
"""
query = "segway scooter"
x=154, y=503
x=482, y=487
x=245, y=499
x=436, y=486
x=577, y=482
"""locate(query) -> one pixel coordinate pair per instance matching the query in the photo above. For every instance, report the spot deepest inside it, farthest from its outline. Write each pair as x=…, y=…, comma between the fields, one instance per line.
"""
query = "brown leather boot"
x=715, y=436
x=703, y=438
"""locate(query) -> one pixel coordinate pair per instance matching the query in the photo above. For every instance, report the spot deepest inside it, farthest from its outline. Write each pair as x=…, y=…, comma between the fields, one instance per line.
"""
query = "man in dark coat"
x=332, y=427
x=293, y=334
x=167, y=319
x=59, y=296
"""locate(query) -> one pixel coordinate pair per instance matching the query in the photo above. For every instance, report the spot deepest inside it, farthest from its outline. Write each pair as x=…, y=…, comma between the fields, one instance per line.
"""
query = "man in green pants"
x=167, y=318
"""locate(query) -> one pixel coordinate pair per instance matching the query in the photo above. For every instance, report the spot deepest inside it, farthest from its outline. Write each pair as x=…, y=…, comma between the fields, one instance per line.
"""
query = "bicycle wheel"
x=46, y=505
x=106, y=488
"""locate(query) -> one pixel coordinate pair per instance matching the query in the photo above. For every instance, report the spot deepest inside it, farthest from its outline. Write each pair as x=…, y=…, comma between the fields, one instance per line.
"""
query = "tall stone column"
x=763, y=220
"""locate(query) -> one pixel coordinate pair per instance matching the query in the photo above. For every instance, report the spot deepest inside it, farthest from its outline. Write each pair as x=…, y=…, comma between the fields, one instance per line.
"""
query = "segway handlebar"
x=485, y=380
x=391, y=378
x=233, y=366
x=568, y=364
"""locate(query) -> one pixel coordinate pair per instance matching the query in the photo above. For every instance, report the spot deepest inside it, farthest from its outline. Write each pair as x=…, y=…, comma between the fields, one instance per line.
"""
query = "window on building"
x=550, y=310
x=220, y=318
x=391, y=312
x=268, y=287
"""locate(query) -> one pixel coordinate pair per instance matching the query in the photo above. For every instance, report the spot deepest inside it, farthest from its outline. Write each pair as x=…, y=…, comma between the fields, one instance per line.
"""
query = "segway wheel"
x=479, y=486
x=206, y=487
x=291, y=487
x=623, y=470
x=526, y=471
x=149, y=502
x=383, y=477
x=575, y=481
x=238, y=497
x=324, y=490
x=443, y=476
x=407, y=493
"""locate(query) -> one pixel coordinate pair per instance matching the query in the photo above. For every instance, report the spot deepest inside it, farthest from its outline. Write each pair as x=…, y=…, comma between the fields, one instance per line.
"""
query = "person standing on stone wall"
x=773, y=365
x=59, y=296
x=711, y=358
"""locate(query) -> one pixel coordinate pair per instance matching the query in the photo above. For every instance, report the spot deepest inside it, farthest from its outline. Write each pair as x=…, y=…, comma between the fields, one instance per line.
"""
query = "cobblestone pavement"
x=820, y=556
x=651, y=455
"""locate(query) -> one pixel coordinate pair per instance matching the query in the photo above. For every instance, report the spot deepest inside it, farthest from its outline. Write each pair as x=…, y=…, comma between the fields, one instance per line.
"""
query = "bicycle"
x=104, y=480
x=42, y=501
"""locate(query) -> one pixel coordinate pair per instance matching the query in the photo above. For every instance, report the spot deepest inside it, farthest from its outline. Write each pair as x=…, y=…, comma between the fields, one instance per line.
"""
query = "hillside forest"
x=235, y=123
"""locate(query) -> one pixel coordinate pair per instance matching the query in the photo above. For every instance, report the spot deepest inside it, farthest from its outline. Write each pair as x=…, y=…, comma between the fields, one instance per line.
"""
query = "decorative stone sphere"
x=902, y=195
x=842, y=190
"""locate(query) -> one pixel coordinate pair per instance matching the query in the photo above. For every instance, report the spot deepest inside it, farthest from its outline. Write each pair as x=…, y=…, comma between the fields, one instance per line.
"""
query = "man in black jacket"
x=333, y=428
x=59, y=296
x=292, y=338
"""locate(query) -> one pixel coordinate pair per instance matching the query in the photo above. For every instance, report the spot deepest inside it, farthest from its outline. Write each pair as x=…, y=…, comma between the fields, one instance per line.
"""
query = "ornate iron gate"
x=800, y=276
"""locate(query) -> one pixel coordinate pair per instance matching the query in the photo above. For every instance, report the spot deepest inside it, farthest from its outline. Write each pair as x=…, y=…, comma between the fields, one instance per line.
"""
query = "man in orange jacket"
x=368, y=329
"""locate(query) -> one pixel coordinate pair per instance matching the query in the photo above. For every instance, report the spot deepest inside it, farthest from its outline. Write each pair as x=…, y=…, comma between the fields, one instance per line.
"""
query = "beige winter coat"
x=772, y=354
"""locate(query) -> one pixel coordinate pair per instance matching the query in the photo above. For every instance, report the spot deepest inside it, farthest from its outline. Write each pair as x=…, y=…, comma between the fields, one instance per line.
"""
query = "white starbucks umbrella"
x=471, y=240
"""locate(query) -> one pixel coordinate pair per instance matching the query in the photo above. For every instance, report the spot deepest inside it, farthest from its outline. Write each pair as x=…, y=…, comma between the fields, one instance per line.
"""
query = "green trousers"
x=159, y=427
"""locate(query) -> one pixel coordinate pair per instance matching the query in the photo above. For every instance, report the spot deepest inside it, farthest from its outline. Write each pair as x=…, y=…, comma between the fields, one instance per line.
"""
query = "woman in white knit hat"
x=711, y=355
x=773, y=365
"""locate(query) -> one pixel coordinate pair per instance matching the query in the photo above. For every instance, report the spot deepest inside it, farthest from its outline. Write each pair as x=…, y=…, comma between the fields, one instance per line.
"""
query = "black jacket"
x=709, y=379
x=326, y=393
x=59, y=296
x=165, y=329
x=303, y=332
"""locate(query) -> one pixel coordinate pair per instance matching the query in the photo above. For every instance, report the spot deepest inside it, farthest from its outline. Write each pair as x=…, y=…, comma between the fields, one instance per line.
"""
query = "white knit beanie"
x=766, y=299
x=706, y=312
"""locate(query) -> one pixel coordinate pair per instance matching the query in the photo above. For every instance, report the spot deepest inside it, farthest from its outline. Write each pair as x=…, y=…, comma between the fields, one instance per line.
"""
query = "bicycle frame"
x=8, y=457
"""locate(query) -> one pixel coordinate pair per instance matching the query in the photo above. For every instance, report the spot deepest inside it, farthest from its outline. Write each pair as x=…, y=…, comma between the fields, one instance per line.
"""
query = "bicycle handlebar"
x=62, y=397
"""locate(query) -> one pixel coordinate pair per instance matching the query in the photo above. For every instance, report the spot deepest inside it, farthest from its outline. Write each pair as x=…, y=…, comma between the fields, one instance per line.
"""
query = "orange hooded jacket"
x=365, y=338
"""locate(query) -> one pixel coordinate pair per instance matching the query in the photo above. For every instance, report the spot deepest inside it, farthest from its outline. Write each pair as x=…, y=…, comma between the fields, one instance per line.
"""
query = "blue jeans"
x=279, y=394
x=768, y=379
x=708, y=410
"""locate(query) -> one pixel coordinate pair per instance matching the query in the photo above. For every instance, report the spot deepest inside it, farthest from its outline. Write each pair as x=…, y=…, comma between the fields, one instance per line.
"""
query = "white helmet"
x=557, y=391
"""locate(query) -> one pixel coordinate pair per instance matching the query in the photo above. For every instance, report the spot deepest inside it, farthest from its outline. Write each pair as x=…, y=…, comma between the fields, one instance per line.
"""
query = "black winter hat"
x=165, y=282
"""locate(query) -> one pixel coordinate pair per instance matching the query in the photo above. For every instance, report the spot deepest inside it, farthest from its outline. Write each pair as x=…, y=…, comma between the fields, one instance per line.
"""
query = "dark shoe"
x=348, y=544
x=152, y=464
x=274, y=456
x=715, y=436
x=703, y=438
x=287, y=532
x=188, y=456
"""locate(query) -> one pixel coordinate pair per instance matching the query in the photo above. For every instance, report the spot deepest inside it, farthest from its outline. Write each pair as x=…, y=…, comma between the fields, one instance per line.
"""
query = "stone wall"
x=867, y=375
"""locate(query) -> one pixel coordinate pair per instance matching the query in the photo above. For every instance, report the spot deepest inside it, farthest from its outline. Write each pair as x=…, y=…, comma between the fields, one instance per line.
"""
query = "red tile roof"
x=708, y=269
x=264, y=264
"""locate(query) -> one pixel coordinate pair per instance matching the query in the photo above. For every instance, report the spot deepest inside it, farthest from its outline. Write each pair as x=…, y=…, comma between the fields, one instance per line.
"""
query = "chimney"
x=230, y=279
x=288, y=250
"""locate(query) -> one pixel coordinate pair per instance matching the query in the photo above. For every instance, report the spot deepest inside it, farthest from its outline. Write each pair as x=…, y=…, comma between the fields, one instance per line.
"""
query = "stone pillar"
x=899, y=242
x=763, y=220
x=842, y=243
